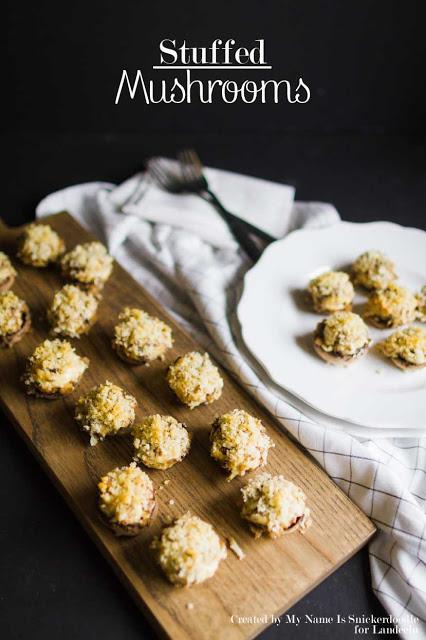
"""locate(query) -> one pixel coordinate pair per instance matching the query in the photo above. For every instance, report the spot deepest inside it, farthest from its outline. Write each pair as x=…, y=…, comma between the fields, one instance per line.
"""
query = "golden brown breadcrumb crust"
x=18, y=320
x=194, y=379
x=406, y=348
x=105, y=411
x=239, y=442
x=89, y=265
x=374, y=271
x=330, y=292
x=274, y=506
x=342, y=338
x=127, y=501
x=391, y=307
x=72, y=312
x=39, y=245
x=54, y=370
x=7, y=273
x=188, y=550
x=160, y=441
x=140, y=338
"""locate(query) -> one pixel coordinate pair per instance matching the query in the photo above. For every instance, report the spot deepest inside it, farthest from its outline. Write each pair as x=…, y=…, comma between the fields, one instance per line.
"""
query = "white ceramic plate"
x=277, y=324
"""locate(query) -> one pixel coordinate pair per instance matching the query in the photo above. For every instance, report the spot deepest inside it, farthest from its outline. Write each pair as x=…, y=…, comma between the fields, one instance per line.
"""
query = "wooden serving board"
x=274, y=574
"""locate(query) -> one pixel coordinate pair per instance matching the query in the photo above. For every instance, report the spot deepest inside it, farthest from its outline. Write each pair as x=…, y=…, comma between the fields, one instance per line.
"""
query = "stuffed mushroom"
x=188, y=550
x=194, y=379
x=160, y=441
x=391, y=307
x=39, y=245
x=239, y=442
x=274, y=506
x=72, y=312
x=330, y=292
x=406, y=348
x=15, y=319
x=126, y=500
x=88, y=265
x=54, y=370
x=374, y=271
x=140, y=338
x=342, y=338
x=7, y=273
x=105, y=411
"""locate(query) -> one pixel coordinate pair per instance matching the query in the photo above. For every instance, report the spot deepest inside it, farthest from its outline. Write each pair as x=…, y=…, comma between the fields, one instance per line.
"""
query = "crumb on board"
x=171, y=501
x=235, y=547
x=163, y=484
x=190, y=605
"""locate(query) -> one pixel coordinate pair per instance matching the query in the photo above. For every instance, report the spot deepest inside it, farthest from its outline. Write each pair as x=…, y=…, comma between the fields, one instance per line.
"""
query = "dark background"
x=358, y=143
x=363, y=62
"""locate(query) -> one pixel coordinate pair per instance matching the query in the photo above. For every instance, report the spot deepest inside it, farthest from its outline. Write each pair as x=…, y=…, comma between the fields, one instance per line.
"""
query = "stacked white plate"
x=371, y=397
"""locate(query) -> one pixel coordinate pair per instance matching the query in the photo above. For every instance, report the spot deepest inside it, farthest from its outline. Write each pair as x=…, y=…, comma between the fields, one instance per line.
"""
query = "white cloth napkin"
x=199, y=284
x=268, y=205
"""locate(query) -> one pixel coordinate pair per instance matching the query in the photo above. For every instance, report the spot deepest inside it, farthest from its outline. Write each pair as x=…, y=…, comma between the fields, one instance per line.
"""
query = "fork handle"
x=239, y=228
x=263, y=235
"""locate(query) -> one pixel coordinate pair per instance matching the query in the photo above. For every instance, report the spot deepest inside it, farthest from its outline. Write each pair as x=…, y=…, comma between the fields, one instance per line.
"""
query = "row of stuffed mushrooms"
x=188, y=549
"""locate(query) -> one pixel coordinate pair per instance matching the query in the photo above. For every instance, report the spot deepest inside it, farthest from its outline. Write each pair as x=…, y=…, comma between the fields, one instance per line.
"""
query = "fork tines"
x=192, y=170
x=165, y=175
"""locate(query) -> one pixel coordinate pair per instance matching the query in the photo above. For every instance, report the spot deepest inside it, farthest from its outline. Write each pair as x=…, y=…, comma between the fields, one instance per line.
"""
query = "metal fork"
x=190, y=179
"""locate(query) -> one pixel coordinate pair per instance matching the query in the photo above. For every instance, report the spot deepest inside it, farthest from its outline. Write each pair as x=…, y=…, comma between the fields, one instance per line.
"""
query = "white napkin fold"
x=199, y=284
x=267, y=205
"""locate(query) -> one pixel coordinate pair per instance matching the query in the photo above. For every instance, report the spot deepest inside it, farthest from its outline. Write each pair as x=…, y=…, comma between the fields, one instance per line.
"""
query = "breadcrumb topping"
x=72, y=311
x=408, y=344
x=126, y=496
x=6, y=269
x=421, y=304
x=12, y=313
x=235, y=548
x=40, y=245
x=160, y=441
x=239, y=442
x=331, y=291
x=88, y=263
x=391, y=307
x=105, y=411
x=273, y=505
x=143, y=337
x=195, y=379
x=189, y=550
x=344, y=333
x=374, y=270
x=54, y=366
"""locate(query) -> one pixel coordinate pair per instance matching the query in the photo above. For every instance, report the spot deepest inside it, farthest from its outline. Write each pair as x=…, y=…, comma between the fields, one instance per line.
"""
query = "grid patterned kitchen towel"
x=199, y=284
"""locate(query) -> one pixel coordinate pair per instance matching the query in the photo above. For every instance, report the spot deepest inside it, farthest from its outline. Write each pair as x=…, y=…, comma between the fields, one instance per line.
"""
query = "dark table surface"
x=53, y=582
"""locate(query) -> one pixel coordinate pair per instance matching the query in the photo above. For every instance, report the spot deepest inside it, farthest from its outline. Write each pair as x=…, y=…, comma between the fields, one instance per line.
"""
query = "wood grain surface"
x=274, y=573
